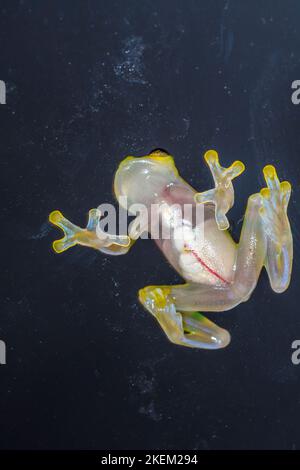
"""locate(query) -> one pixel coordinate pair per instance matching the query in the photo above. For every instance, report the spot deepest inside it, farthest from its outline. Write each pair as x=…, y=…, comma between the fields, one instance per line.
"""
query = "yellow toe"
x=211, y=156
x=55, y=217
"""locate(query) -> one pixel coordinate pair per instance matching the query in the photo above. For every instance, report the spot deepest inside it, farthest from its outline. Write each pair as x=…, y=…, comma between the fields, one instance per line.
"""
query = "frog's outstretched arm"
x=91, y=236
x=266, y=240
x=223, y=194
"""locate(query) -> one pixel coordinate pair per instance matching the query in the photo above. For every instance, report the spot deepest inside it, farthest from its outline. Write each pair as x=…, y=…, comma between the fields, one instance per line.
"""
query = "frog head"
x=142, y=179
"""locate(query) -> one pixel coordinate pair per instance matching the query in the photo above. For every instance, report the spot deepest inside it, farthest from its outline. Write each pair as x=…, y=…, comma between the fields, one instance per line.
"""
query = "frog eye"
x=161, y=151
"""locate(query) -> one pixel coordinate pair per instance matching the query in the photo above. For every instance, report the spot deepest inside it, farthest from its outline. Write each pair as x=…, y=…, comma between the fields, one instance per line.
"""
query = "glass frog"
x=219, y=274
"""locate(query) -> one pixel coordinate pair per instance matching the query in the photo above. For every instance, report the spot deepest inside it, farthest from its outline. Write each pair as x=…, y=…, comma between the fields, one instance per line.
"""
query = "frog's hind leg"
x=190, y=329
x=266, y=240
x=279, y=259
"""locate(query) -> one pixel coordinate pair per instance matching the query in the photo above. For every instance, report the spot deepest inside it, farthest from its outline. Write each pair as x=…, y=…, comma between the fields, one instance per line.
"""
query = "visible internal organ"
x=208, y=269
x=198, y=260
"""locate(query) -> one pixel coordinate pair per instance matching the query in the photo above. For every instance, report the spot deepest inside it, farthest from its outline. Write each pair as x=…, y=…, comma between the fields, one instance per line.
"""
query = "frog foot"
x=275, y=198
x=156, y=299
x=191, y=329
x=222, y=196
x=91, y=236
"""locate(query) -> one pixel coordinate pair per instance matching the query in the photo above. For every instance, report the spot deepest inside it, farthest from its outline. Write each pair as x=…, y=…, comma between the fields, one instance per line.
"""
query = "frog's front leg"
x=91, y=236
x=190, y=329
x=222, y=196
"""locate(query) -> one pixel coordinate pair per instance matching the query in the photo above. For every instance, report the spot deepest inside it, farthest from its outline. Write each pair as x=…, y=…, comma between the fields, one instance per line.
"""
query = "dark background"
x=89, y=82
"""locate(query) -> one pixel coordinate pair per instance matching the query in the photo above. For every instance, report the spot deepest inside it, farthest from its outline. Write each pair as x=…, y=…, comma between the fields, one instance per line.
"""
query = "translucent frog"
x=219, y=274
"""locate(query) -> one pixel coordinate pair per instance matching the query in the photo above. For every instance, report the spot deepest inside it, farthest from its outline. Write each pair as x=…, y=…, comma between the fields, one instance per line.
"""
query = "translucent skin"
x=153, y=181
x=219, y=273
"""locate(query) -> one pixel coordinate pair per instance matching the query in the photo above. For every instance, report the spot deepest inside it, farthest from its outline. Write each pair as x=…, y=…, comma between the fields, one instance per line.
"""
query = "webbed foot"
x=275, y=199
x=91, y=236
x=222, y=196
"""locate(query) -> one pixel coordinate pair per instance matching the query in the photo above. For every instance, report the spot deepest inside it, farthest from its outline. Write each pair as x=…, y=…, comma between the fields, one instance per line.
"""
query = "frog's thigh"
x=190, y=329
x=207, y=298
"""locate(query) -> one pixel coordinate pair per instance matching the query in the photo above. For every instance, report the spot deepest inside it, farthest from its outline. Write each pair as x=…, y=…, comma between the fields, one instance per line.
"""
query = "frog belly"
x=200, y=261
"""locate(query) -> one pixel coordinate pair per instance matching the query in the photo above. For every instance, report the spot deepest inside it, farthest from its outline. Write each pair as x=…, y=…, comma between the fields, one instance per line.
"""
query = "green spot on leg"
x=198, y=316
